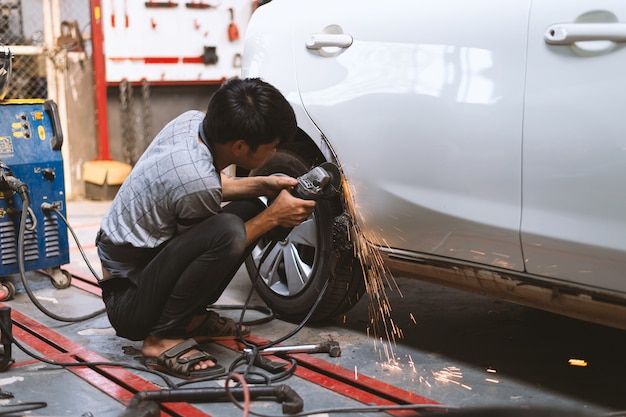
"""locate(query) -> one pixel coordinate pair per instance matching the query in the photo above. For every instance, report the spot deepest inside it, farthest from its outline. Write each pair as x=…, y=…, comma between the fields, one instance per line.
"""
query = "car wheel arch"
x=339, y=266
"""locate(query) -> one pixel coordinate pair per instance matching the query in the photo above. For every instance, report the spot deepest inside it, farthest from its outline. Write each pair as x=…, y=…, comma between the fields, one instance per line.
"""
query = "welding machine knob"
x=48, y=173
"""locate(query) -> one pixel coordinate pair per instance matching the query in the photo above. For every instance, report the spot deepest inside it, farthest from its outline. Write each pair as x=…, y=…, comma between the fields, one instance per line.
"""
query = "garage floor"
x=449, y=351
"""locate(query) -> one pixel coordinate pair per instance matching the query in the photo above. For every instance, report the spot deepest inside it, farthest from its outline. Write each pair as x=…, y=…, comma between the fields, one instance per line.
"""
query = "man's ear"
x=240, y=147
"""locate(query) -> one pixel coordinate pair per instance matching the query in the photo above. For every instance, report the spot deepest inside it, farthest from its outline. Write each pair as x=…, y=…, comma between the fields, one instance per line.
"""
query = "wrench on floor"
x=331, y=347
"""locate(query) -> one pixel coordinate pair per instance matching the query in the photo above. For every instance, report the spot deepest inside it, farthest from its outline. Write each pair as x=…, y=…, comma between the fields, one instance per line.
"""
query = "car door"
x=574, y=193
x=423, y=103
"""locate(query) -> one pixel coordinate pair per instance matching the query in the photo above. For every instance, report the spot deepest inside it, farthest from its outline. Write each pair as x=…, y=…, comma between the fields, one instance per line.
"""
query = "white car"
x=483, y=146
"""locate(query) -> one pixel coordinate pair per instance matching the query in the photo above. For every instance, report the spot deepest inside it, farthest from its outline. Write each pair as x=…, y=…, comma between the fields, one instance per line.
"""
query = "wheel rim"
x=288, y=265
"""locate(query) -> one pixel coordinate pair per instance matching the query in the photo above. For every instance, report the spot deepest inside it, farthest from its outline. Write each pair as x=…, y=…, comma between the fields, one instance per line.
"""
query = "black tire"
x=313, y=253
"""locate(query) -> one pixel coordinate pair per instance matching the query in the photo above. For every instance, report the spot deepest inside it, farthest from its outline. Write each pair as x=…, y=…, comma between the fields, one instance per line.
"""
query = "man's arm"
x=237, y=188
x=285, y=211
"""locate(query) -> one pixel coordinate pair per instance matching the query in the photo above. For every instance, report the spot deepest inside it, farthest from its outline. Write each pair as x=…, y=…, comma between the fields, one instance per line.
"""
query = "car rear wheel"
x=289, y=275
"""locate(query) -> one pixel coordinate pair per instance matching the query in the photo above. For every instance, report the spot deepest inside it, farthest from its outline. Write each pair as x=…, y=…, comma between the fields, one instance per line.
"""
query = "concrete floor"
x=457, y=350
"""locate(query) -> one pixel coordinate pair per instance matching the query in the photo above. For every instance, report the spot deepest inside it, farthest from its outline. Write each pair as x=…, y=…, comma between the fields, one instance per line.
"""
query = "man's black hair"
x=249, y=109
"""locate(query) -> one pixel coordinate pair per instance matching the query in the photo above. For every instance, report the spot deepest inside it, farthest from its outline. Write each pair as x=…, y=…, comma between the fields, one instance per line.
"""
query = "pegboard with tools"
x=170, y=42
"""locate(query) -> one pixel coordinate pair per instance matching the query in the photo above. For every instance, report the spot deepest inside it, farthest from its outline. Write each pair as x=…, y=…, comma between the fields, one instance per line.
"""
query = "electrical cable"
x=244, y=380
x=246, y=392
x=33, y=226
x=269, y=313
x=250, y=358
x=14, y=408
x=255, y=349
x=20, y=256
x=304, y=320
x=369, y=408
x=27, y=210
x=267, y=379
x=51, y=207
x=8, y=333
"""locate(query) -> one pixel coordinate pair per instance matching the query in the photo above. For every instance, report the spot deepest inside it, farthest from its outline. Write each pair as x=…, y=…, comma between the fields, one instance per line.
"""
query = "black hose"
x=51, y=207
x=20, y=260
x=15, y=408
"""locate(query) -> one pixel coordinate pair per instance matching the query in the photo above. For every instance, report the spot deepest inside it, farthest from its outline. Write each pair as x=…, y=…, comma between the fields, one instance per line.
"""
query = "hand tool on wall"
x=233, y=30
x=161, y=4
x=197, y=5
x=112, y=13
x=126, y=18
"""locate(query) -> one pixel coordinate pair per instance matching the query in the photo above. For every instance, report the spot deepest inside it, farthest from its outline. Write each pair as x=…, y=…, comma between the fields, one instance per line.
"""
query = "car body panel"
x=265, y=35
x=474, y=149
x=456, y=101
x=574, y=210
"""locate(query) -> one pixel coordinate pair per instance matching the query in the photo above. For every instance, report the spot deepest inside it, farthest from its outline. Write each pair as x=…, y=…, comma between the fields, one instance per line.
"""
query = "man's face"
x=255, y=159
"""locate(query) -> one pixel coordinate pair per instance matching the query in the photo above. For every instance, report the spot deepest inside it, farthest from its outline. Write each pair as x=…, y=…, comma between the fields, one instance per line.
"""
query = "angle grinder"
x=321, y=182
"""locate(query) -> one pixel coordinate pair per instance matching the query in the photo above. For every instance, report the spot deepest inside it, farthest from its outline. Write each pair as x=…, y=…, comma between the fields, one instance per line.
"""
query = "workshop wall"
x=168, y=41
x=161, y=59
x=133, y=122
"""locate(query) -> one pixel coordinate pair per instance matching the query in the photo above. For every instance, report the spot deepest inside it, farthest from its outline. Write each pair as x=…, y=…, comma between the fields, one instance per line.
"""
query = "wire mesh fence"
x=40, y=34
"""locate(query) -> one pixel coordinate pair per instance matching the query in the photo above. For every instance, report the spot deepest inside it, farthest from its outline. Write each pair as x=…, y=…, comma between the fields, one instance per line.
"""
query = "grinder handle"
x=323, y=181
x=51, y=108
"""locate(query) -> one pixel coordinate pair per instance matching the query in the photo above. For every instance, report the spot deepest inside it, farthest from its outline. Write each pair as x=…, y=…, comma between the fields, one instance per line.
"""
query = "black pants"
x=183, y=276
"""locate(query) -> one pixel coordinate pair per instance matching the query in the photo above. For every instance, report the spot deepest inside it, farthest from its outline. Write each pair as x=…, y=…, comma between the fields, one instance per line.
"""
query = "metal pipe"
x=142, y=403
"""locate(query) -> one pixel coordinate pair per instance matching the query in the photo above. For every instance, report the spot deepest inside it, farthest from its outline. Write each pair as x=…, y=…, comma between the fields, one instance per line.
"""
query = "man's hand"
x=290, y=211
x=286, y=211
x=274, y=184
x=236, y=188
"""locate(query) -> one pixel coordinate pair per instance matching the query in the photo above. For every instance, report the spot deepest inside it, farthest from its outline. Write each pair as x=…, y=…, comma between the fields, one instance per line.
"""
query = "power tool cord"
x=35, y=356
x=264, y=378
x=41, y=307
x=8, y=333
x=20, y=254
x=244, y=308
x=15, y=408
x=255, y=350
x=26, y=210
x=51, y=207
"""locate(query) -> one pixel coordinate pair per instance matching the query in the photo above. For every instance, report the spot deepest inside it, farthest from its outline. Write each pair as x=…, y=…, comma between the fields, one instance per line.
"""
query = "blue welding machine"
x=30, y=154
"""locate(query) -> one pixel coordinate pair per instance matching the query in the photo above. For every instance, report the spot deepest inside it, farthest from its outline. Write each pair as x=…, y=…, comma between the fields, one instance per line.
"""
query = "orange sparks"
x=412, y=364
x=377, y=279
x=448, y=374
x=577, y=362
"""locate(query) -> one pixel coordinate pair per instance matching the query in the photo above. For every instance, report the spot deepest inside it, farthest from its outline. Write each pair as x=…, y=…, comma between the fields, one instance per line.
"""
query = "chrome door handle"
x=569, y=33
x=325, y=40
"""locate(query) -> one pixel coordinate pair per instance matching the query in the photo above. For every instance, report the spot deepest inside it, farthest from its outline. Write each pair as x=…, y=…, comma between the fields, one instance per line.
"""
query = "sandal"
x=172, y=362
x=215, y=327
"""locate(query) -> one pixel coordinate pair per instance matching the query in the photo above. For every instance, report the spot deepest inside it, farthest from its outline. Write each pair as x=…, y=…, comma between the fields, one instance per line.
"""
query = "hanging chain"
x=147, y=113
x=126, y=120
